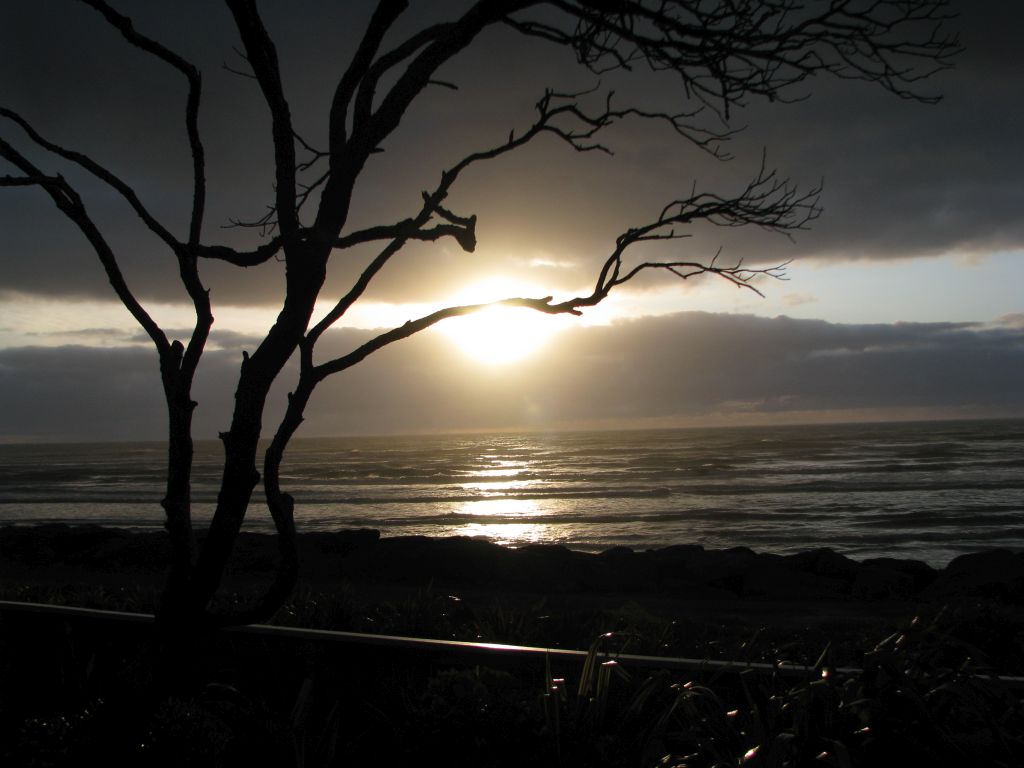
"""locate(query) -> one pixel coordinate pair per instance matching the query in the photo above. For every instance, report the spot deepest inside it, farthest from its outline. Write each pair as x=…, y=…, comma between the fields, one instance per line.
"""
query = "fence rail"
x=469, y=652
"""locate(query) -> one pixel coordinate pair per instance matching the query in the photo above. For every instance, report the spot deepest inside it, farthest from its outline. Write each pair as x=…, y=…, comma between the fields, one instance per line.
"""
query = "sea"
x=929, y=491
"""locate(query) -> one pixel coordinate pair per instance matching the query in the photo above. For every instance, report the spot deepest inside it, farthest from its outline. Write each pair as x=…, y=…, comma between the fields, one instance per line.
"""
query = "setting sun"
x=501, y=335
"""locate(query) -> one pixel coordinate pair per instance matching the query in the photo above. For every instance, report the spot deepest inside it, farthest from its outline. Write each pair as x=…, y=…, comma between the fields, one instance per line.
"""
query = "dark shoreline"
x=710, y=601
x=50, y=553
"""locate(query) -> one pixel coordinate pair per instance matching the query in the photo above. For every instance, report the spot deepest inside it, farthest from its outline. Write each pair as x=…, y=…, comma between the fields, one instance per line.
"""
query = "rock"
x=419, y=560
x=723, y=568
x=919, y=572
x=682, y=571
x=618, y=554
x=876, y=582
x=779, y=580
x=347, y=540
x=825, y=562
x=994, y=573
x=557, y=569
x=623, y=570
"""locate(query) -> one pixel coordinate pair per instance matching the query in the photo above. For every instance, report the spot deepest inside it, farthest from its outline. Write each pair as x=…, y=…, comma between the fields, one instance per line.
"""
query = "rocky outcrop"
x=683, y=571
x=994, y=573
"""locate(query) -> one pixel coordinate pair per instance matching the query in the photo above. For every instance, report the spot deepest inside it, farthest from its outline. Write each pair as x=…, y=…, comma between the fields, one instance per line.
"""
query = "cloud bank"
x=688, y=368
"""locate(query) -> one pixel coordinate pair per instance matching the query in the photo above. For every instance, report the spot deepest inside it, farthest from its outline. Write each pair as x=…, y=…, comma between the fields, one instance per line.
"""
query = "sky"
x=902, y=301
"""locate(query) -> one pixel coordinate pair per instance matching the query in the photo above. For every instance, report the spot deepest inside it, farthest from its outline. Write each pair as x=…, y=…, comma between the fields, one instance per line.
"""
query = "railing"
x=465, y=651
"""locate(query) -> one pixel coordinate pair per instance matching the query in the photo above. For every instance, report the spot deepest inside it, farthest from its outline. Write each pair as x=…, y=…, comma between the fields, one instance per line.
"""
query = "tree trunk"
x=177, y=502
x=305, y=276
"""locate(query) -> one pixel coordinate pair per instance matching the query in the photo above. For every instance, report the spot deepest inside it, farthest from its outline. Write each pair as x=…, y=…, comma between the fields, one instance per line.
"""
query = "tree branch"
x=407, y=230
x=588, y=124
x=766, y=202
x=241, y=258
x=99, y=172
x=188, y=361
x=70, y=203
x=429, y=49
x=347, y=157
x=737, y=274
x=195, y=85
x=28, y=181
x=195, y=248
x=723, y=52
x=371, y=77
x=384, y=16
x=262, y=55
x=411, y=327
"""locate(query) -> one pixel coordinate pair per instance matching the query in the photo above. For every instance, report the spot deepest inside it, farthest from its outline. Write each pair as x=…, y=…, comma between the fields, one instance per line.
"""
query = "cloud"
x=901, y=179
x=1015, y=320
x=95, y=337
x=80, y=393
x=670, y=370
x=798, y=299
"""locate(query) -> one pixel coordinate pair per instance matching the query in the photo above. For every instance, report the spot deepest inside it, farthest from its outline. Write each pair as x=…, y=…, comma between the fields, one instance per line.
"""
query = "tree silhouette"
x=723, y=53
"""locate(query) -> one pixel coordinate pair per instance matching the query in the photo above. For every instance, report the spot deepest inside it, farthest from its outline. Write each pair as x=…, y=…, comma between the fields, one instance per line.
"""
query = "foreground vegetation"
x=79, y=691
x=76, y=692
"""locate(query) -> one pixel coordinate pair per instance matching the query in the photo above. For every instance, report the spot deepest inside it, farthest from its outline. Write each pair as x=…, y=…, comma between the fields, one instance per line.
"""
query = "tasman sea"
x=928, y=491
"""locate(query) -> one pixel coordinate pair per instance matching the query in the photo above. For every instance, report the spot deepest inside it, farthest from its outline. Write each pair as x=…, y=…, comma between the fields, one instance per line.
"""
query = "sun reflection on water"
x=497, y=476
x=507, y=533
x=504, y=521
x=513, y=509
x=495, y=472
x=497, y=486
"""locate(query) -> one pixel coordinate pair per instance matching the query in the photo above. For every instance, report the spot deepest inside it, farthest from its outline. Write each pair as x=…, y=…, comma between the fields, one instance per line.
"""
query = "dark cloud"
x=80, y=393
x=901, y=178
x=671, y=370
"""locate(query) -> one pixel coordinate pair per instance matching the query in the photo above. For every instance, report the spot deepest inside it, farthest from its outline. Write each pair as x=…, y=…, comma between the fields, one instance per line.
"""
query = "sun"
x=500, y=335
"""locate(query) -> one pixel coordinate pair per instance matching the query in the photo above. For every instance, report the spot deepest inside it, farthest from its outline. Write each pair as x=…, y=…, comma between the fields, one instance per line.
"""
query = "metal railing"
x=467, y=651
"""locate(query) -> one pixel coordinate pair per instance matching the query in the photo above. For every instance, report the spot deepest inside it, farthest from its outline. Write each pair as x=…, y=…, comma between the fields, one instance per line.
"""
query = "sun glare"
x=500, y=335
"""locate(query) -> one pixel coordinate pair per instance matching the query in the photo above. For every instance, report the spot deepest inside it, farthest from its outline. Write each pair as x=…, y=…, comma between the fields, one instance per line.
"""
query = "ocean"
x=928, y=491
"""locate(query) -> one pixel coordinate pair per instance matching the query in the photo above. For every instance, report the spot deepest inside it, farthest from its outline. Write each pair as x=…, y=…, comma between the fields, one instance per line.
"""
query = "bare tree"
x=723, y=53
